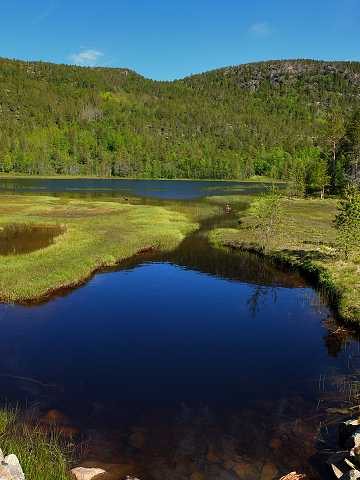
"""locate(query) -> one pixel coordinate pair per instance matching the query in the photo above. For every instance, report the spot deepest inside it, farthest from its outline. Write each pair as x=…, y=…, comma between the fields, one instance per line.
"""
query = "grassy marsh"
x=95, y=234
x=307, y=241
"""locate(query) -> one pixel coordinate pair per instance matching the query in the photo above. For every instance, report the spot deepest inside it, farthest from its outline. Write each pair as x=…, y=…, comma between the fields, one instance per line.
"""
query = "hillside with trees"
x=297, y=120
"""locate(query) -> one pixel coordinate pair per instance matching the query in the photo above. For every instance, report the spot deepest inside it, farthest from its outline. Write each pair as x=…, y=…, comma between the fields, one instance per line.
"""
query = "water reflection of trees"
x=258, y=298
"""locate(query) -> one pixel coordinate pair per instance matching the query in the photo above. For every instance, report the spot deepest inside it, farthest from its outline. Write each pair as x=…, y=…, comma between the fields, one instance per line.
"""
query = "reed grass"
x=40, y=454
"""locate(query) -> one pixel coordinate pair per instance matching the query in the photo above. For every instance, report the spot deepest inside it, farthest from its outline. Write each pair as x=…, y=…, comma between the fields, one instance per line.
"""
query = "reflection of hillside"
x=195, y=253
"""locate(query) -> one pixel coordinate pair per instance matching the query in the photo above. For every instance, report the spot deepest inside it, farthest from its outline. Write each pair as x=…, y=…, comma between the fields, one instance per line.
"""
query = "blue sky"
x=171, y=39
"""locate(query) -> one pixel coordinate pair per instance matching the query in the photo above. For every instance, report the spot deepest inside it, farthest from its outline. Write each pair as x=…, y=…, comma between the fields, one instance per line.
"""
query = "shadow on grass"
x=309, y=255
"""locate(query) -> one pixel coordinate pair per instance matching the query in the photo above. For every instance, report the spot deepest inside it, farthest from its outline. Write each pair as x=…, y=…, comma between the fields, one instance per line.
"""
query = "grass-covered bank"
x=95, y=234
x=41, y=455
x=307, y=241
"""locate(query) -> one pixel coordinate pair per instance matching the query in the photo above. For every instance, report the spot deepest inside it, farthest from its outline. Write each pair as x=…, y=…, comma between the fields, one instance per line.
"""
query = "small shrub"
x=267, y=212
x=347, y=223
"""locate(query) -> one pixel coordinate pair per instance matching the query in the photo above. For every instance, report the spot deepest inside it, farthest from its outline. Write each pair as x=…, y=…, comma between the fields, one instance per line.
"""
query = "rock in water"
x=337, y=472
x=354, y=440
x=12, y=464
x=268, y=472
x=347, y=429
x=352, y=475
x=294, y=476
x=81, y=473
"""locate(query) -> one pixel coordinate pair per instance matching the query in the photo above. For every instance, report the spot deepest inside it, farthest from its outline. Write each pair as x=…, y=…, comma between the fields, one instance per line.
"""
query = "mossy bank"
x=307, y=241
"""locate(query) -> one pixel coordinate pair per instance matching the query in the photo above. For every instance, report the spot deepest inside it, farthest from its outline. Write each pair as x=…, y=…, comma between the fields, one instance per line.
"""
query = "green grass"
x=41, y=455
x=96, y=234
x=307, y=241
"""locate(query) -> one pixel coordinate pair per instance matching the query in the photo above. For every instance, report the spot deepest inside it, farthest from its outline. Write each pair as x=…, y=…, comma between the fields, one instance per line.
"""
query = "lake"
x=165, y=189
x=198, y=363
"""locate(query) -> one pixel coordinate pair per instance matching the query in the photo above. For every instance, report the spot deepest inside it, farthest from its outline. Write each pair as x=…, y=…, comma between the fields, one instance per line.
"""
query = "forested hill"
x=279, y=118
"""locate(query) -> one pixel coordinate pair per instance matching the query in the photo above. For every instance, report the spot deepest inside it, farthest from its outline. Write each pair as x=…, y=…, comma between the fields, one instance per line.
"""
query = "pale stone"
x=352, y=475
x=81, y=473
x=13, y=465
x=348, y=428
x=337, y=472
x=1, y=455
x=293, y=476
x=4, y=473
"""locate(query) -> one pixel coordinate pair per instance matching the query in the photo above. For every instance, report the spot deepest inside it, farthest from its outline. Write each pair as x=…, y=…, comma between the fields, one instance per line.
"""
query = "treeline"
x=295, y=120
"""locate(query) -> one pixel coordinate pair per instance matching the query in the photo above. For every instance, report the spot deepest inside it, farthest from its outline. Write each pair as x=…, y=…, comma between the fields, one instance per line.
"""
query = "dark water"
x=196, y=364
x=16, y=239
x=166, y=189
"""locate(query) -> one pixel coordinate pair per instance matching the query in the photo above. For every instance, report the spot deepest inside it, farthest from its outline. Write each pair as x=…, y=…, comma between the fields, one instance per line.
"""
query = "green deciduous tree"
x=267, y=212
x=347, y=222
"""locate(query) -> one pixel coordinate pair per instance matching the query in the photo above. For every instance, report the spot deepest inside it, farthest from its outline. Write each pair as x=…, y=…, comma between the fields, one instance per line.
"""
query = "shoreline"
x=4, y=176
x=318, y=262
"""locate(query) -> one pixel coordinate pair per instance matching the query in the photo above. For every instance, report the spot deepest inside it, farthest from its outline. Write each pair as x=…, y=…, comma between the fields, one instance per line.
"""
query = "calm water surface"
x=195, y=364
x=166, y=189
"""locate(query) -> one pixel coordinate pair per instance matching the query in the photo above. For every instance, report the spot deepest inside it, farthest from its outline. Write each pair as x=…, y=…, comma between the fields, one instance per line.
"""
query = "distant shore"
x=255, y=179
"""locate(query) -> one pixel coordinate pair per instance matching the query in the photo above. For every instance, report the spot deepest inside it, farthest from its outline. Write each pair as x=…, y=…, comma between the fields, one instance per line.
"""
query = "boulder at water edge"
x=81, y=473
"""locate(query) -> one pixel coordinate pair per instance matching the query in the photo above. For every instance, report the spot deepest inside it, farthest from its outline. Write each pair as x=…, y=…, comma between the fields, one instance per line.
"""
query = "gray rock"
x=81, y=473
x=354, y=440
x=11, y=462
x=347, y=429
x=351, y=475
x=4, y=473
x=1, y=455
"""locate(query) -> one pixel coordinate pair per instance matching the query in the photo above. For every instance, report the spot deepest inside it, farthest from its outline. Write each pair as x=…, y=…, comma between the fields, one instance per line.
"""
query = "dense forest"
x=296, y=119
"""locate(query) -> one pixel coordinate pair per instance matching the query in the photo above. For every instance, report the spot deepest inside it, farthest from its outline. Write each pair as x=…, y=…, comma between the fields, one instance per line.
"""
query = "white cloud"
x=88, y=58
x=260, y=29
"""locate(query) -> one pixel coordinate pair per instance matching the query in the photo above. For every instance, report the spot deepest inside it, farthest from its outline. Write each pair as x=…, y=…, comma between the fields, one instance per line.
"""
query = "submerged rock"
x=245, y=471
x=137, y=439
x=81, y=473
x=268, y=472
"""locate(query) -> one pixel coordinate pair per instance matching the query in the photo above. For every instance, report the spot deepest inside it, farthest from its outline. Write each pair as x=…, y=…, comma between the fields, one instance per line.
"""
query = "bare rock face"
x=81, y=473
